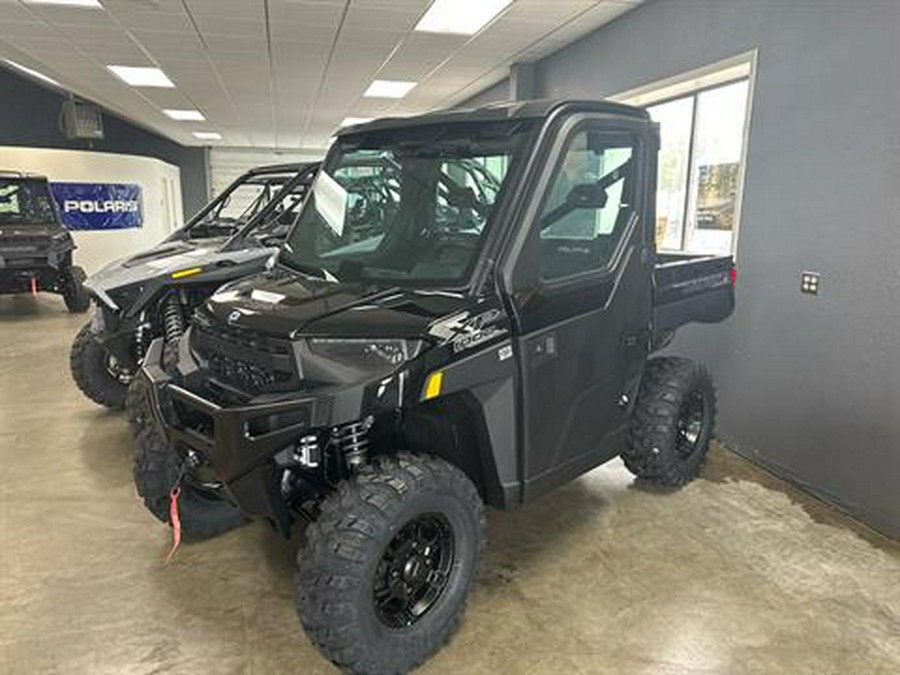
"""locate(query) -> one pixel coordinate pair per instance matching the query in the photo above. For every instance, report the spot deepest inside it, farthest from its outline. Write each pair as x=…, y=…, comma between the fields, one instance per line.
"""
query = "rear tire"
x=90, y=366
x=156, y=469
x=74, y=294
x=388, y=564
x=672, y=422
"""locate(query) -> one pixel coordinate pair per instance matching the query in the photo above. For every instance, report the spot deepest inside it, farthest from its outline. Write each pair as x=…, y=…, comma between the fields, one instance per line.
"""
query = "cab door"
x=582, y=297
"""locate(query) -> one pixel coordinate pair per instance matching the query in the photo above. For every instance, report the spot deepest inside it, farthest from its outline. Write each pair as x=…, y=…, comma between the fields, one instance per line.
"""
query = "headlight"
x=347, y=359
x=125, y=296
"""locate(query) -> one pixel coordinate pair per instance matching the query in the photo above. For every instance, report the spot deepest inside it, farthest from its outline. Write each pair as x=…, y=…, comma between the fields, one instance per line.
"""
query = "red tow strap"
x=175, y=520
x=34, y=285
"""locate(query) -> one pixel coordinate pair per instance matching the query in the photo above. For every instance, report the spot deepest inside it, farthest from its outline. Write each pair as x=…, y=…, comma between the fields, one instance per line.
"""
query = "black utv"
x=153, y=293
x=35, y=249
x=488, y=341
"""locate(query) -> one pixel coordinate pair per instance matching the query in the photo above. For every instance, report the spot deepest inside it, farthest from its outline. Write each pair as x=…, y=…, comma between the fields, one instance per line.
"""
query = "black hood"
x=285, y=305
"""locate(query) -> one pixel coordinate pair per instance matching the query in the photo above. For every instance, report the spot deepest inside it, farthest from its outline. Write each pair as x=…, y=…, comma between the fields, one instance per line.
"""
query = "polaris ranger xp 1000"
x=153, y=293
x=35, y=249
x=489, y=341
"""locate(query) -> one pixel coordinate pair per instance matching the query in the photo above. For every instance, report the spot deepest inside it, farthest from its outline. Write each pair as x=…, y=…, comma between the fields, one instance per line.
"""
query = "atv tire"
x=156, y=469
x=672, y=422
x=387, y=566
x=137, y=406
x=89, y=363
x=74, y=294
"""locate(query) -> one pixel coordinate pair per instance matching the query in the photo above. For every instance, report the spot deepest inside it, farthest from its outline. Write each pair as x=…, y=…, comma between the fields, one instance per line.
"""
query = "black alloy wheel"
x=414, y=570
x=691, y=420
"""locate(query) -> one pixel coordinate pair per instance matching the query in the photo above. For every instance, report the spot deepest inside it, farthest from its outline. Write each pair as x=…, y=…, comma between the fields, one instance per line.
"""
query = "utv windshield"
x=406, y=206
x=25, y=201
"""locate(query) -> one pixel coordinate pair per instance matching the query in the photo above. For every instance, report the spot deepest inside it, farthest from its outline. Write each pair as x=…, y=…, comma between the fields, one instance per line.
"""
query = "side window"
x=591, y=201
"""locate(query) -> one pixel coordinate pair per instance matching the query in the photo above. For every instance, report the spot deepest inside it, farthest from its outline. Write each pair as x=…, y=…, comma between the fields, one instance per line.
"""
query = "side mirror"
x=586, y=196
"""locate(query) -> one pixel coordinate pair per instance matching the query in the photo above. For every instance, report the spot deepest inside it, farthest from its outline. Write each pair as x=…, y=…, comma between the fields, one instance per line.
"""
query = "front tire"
x=95, y=373
x=137, y=406
x=673, y=422
x=388, y=564
x=203, y=514
x=74, y=294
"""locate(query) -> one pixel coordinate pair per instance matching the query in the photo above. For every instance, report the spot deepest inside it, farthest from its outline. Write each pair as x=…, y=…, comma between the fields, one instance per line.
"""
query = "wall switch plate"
x=809, y=282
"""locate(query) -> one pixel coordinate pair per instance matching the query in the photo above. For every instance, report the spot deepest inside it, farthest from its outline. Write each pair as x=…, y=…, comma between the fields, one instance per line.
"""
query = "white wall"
x=226, y=164
x=160, y=186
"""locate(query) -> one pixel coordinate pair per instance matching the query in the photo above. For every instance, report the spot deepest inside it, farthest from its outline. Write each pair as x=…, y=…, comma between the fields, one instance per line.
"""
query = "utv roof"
x=511, y=110
x=4, y=173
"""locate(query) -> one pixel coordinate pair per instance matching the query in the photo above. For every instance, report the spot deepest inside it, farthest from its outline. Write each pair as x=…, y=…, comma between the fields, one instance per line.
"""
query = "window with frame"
x=700, y=167
x=590, y=203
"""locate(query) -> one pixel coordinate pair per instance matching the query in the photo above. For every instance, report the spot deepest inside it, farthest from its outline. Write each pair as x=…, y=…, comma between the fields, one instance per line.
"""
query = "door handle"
x=542, y=349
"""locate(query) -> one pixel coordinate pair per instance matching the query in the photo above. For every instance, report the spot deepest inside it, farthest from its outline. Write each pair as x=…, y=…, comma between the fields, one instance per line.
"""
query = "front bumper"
x=241, y=442
x=18, y=267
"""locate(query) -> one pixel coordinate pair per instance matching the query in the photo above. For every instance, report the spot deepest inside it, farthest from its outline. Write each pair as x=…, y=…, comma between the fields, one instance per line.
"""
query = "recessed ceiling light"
x=92, y=4
x=208, y=135
x=185, y=115
x=389, y=89
x=141, y=76
x=33, y=73
x=350, y=121
x=462, y=17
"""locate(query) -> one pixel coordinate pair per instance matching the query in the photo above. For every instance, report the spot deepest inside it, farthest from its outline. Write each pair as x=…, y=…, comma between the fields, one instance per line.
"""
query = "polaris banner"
x=99, y=206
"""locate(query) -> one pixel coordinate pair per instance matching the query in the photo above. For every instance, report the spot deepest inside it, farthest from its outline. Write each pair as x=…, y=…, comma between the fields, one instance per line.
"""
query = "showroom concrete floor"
x=738, y=573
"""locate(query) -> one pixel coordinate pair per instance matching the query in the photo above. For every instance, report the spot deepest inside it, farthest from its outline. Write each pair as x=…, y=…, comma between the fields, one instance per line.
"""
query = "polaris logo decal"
x=96, y=206
x=99, y=206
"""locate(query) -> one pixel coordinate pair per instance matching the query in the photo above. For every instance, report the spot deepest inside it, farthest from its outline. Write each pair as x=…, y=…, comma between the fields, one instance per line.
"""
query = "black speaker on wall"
x=80, y=119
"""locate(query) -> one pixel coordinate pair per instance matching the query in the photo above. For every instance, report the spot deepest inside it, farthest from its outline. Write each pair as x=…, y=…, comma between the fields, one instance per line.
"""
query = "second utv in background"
x=482, y=341
x=35, y=249
x=152, y=294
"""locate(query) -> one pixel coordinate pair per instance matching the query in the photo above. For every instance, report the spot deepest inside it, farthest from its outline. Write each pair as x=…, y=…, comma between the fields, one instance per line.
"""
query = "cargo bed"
x=690, y=289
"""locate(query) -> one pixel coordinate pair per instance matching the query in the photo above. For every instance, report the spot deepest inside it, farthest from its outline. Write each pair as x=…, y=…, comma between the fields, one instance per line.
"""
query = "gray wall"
x=494, y=93
x=809, y=386
x=29, y=116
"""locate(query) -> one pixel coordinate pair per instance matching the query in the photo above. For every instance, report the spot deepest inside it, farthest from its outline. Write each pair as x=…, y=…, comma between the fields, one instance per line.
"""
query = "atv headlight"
x=349, y=359
x=125, y=296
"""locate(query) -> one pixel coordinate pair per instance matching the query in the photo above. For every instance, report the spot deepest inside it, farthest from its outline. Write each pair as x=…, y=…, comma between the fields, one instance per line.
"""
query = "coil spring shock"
x=353, y=441
x=139, y=341
x=173, y=319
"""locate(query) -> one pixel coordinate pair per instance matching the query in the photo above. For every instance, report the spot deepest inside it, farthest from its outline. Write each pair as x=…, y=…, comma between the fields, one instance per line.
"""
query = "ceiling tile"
x=324, y=53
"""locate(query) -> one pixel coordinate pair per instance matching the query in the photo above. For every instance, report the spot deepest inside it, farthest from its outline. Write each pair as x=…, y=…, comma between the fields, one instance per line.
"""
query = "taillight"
x=733, y=276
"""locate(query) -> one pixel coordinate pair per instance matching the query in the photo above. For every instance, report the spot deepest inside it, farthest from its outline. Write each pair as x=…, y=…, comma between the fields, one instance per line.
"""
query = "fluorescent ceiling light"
x=185, y=115
x=350, y=121
x=91, y=4
x=33, y=73
x=462, y=17
x=141, y=77
x=208, y=135
x=389, y=89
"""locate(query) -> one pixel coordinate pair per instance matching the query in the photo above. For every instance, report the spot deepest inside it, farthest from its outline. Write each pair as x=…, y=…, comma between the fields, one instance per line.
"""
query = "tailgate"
x=690, y=289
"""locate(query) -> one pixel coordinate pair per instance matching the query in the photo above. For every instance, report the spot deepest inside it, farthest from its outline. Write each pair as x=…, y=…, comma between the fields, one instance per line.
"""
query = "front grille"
x=29, y=262
x=24, y=240
x=249, y=362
